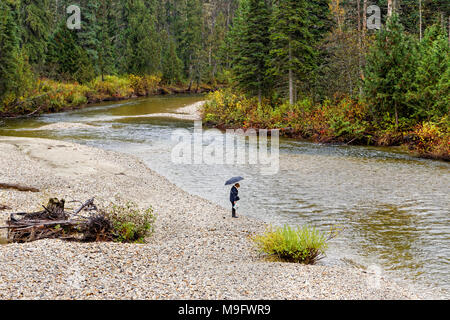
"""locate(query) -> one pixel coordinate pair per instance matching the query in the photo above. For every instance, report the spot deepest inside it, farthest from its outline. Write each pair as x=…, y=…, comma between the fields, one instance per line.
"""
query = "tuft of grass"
x=304, y=244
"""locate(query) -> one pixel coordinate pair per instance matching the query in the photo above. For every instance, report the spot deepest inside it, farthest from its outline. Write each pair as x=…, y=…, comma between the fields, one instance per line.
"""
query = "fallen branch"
x=348, y=143
x=17, y=187
x=42, y=223
x=88, y=204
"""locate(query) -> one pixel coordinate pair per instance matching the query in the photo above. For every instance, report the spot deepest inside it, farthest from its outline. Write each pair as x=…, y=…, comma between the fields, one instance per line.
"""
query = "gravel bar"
x=197, y=251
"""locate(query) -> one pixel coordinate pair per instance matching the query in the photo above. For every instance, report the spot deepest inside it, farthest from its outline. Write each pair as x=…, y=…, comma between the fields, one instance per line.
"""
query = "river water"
x=394, y=209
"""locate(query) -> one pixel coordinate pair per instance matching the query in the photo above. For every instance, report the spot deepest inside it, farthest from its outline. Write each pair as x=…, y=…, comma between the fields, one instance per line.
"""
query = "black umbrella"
x=234, y=180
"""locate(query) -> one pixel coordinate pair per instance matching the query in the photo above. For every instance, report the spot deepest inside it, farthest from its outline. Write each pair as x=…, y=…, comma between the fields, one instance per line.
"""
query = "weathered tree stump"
x=55, y=209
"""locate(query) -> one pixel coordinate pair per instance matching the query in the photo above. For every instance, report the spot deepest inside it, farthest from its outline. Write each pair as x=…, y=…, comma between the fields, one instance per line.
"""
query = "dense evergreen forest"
x=312, y=68
x=179, y=41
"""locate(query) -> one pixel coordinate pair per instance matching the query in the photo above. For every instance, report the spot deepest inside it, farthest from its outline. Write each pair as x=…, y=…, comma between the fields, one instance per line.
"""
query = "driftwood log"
x=84, y=223
x=17, y=187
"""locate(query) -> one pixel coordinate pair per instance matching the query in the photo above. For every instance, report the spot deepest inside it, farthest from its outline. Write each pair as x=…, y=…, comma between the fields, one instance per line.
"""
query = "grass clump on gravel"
x=129, y=222
x=304, y=244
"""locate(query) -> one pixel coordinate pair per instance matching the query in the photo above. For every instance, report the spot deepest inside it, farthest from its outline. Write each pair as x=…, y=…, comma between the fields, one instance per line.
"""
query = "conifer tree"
x=389, y=72
x=107, y=22
x=89, y=33
x=171, y=64
x=69, y=60
x=230, y=48
x=15, y=73
x=292, y=43
x=190, y=39
x=251, y=48
x=9, y=43
x=430, y=93
x=140, y=53
x=219, y=43
x=35, y=30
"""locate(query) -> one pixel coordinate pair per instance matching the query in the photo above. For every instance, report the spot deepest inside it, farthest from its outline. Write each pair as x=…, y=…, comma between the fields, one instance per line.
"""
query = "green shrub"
x=301, y=245
x=130, y=223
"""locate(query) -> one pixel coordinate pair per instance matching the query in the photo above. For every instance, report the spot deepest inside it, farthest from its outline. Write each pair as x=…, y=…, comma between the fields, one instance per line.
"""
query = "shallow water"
x=393, y=208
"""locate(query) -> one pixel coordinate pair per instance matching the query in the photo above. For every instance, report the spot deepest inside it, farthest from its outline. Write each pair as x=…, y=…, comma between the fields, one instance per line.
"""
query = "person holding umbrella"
x=234, y=197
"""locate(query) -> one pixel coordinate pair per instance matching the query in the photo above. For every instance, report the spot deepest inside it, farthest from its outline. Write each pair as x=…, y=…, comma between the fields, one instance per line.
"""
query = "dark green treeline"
x=178, y=39
x=267, y=48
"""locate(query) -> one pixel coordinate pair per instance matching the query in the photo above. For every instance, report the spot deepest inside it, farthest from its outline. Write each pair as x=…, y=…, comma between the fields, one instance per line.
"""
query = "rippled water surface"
x=394, y=209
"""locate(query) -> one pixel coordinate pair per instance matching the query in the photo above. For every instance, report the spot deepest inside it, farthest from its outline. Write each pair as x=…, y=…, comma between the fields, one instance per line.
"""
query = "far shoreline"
x=196, y=114
x=160, y=92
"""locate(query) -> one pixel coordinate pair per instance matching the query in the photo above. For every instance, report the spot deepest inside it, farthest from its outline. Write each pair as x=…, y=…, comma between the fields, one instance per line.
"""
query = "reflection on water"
x=394, y=208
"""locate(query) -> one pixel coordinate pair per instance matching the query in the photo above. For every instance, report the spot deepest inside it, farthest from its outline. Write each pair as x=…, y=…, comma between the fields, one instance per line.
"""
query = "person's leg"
x=233, y=211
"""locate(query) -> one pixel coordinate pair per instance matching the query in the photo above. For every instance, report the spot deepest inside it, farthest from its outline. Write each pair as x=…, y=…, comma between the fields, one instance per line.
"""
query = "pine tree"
x=319, y=14
x=292, y=54
x=252, y=48
x=430, y=93
x=172, y=66
x=140, y=52
x=390, y=71
x=69, y=60
x=220, y=43
x=15, y=74
x=35, y=30
x=320, y=26
x=9, y=43
x=107, y=22
x=190, y=39
x=90, y=31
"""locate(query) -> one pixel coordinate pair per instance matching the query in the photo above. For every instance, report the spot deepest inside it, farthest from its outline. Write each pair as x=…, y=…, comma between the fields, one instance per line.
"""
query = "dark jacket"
x=234, y=194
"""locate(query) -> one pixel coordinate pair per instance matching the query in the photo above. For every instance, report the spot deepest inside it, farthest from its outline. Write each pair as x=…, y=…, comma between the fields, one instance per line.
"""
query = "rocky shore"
x=197, y=252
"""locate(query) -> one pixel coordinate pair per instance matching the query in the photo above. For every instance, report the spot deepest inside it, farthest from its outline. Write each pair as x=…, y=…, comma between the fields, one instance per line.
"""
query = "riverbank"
x=197, y=251
x=342, y=121
x=49, y=96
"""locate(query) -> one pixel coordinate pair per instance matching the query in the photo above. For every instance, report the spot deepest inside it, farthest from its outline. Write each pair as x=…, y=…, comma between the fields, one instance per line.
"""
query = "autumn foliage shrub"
x=52, y=96
x=62, y=95
x=342, y=120
x=144, y=85
x=432, y=139
x=111, y=87
x=225, y=108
